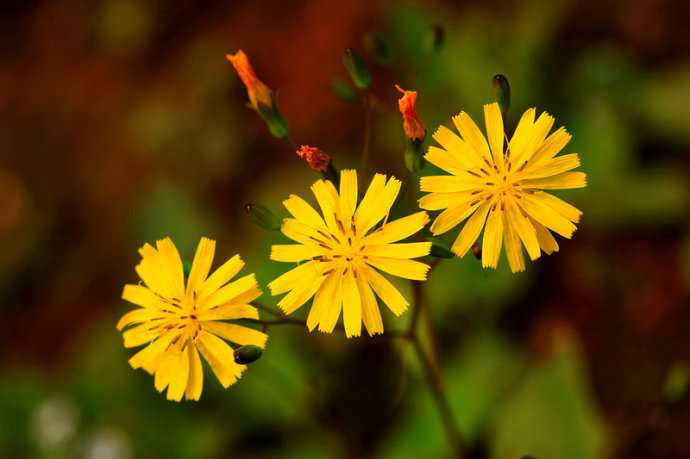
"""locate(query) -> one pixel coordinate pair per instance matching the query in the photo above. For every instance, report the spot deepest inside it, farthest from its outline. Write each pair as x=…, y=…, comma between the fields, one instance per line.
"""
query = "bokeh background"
x=121, y=122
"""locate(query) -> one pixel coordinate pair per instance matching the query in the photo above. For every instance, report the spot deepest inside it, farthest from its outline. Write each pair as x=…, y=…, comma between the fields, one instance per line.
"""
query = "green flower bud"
x=263, y=217
x=502, y=92
x=247, y=354
x=439, y=249
x=343, y=90
x=357, y=68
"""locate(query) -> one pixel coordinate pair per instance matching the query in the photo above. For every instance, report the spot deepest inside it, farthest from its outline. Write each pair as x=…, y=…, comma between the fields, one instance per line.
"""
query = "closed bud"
x=259, y=94
x=343, y=90
x=412, y=125
x=501, y=92
x=247, y=354
x=477, y=251
x=356, y=68
x=263, y=217
x=314, y=157
x=439, y=249
x=414, y=158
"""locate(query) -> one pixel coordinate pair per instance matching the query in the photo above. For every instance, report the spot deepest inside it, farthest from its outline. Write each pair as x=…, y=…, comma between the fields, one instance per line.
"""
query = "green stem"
x=431, y=370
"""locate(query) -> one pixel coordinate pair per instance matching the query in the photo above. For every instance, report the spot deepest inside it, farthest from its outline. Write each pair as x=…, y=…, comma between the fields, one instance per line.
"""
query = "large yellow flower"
x=344, y=251
x=177, y=322
x=501, y=185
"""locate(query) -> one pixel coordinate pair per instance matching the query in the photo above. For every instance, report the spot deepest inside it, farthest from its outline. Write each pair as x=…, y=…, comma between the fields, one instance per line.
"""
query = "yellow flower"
x=178, y=322
x=501, y=185
x=344, y=251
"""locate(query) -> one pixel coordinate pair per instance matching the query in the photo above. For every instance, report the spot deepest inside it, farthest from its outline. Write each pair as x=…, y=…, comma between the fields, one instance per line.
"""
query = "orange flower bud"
x=413, y=126
x=315, y=157
x=259, y=93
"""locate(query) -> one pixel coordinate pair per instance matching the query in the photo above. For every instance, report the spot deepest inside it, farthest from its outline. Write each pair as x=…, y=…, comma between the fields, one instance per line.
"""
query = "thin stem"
x=431, y=367
x=367, y=132
x=433, y=379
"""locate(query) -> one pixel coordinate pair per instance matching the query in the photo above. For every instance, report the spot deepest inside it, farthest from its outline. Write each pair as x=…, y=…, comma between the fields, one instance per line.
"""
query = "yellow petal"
x=472, y=135
x=555, y=166
x=322, y=300
x=562, y=181
x=545, y=215
x=407, y=269
x=228, y=293
x=141, y=334
x=400, y=250
x=152, y=272
x=380, y=206
x=437, y=201
x=295, y=252
x=221, y=276
x=179, y=376
x=201, y=265
x=164, y=371
x=524, y=229
x=348, y=194
x=398, y=229
x=327, y=197
x=229, y=312
x=570, y=212
x=371, y=316
x=522, y=136
x=221, y=358
x=143, y=358
x=352, y=306
x=470, y=232
x=372, y=196
x=302, y=211
x=450, y=183
x=141, y=296
x=331, y=312
x=139, y=315
x=452, y=216
x=441, y=158
x=196, y=374
x=287, y=281
x=385, y=290
x=236, y=333
x=493, y=120
x=550, y=147
x=513, y=246
x=172, y=265
x=493, y=239
x=546, y=240
x=457, y=148
x=300, y=294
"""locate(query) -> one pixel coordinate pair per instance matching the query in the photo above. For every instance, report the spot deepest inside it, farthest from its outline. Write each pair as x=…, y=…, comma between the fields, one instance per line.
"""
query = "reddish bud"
x=259, y=94
x=315, y=157
x=412, y=125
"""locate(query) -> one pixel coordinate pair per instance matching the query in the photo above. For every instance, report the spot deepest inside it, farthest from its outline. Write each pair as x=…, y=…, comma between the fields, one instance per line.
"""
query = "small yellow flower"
x=502, y=185
x=344, y=251
x=177, y=322
x=259, y=94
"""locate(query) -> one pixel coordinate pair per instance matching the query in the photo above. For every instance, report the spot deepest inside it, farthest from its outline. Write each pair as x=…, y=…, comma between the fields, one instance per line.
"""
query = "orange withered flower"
x=413, y=126
x=259, y=93
x=315, y=157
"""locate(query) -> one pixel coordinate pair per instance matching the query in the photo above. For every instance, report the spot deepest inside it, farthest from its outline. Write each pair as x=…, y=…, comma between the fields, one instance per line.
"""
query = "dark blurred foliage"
x=122, y=123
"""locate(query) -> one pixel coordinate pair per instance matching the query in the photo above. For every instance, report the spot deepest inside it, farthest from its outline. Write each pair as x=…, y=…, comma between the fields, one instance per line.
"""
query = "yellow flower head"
x=259, y=94
x=501, y=185
x=178, y=322
x=342, y=251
